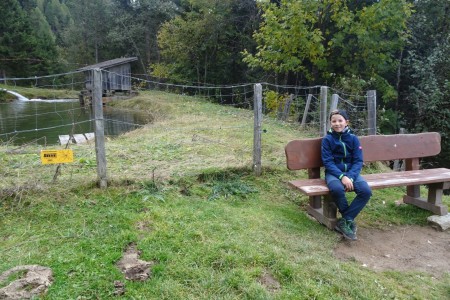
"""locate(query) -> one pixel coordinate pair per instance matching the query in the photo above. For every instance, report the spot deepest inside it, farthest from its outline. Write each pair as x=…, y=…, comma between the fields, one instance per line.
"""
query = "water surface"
x=42, y=121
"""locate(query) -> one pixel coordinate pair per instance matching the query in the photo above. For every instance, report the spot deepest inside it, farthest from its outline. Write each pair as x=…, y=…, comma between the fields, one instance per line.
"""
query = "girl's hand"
x=348, y=184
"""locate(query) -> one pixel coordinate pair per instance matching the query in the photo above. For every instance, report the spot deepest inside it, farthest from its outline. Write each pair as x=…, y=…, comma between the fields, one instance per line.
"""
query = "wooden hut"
x=116, y=77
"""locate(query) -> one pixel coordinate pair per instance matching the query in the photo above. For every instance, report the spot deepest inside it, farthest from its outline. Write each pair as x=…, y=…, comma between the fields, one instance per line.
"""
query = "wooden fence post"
x=257, y=129
x=399, y=165
x=284, y=115
x=99, y=128
x=372, y=112
x=305, y=113
x=333, y=106
x=334, y=102
x=323, y=110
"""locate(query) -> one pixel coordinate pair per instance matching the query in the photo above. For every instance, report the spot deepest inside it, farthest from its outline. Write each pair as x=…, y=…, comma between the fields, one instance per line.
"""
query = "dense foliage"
x=330, y=41
x=205, y=43
x=425, y=81
x=26, y=45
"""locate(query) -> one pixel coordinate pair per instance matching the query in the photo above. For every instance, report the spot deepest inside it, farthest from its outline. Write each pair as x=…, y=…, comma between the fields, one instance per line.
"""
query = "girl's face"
x=338, y=123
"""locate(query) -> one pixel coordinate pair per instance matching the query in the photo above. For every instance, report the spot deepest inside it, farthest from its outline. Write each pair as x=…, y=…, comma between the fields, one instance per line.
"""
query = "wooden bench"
x=306, y=155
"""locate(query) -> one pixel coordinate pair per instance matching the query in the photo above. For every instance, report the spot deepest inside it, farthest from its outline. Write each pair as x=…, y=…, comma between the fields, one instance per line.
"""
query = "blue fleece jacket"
x=342, y=154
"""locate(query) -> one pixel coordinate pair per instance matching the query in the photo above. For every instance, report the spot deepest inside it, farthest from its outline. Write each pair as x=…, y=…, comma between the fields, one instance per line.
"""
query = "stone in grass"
x=119, y=288
x=399, y=202
x=441, y=223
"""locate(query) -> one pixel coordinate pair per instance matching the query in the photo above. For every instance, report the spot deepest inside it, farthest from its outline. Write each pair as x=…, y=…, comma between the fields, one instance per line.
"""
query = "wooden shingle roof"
x=109, y=63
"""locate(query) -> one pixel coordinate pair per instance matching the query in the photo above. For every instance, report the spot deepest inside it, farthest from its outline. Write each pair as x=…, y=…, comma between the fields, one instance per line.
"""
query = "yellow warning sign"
x=56, y=156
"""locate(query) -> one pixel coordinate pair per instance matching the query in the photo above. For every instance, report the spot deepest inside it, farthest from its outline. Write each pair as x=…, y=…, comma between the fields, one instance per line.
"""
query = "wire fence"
x=285, y=103
x=30, y=125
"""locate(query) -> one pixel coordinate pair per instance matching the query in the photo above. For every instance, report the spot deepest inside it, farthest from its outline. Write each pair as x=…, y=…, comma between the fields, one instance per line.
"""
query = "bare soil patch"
x=269, y=282
x=32, y=281
x=134, y=268
x=409, y=248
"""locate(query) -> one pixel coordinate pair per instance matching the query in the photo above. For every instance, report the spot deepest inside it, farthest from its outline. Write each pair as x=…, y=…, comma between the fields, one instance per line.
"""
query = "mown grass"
x=182, y=189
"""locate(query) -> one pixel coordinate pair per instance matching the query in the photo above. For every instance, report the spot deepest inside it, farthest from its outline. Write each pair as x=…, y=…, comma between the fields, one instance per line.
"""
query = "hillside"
x=182, y=199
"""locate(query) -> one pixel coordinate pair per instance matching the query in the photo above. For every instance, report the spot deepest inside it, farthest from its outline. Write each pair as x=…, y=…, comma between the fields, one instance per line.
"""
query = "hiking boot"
x=343, y=227
x=352, y=225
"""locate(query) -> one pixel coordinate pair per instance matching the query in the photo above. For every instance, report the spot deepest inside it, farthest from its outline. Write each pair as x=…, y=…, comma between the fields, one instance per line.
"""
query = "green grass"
x=41, y=93
x=182, y=189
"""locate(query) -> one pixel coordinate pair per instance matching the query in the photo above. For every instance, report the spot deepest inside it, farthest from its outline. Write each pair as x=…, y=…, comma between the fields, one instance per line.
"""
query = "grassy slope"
x=41, y=93
x=182, y=190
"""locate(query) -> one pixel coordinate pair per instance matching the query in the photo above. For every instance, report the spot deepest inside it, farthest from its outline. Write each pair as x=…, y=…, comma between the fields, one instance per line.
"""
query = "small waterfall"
x=19, y=96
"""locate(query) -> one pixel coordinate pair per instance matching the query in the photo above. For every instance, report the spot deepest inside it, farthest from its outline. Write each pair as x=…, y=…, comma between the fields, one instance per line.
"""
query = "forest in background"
x=401, y=48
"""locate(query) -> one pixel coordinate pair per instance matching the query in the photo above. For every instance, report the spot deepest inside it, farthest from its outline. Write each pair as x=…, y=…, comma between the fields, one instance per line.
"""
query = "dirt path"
x=410, y=248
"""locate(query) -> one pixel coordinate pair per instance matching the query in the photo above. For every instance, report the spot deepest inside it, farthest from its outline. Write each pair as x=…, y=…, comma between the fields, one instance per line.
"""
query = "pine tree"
x=25, y=50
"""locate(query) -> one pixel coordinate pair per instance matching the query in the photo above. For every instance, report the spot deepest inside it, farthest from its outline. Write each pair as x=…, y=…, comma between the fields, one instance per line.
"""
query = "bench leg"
x=315, y=202
x=325, y=214
x=434, y=201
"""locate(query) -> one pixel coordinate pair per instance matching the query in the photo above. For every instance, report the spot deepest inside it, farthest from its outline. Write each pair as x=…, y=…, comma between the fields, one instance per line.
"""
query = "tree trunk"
x=399, y=74
x=206, y=68
x=96, y=51
x=3, y=76
x=148, y=47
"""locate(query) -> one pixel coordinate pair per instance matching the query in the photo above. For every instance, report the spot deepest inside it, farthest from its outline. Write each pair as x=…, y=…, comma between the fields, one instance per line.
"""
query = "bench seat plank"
x=316, y=187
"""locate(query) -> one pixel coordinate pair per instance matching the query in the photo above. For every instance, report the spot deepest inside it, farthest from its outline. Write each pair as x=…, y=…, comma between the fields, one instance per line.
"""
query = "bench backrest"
x=306, y=153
